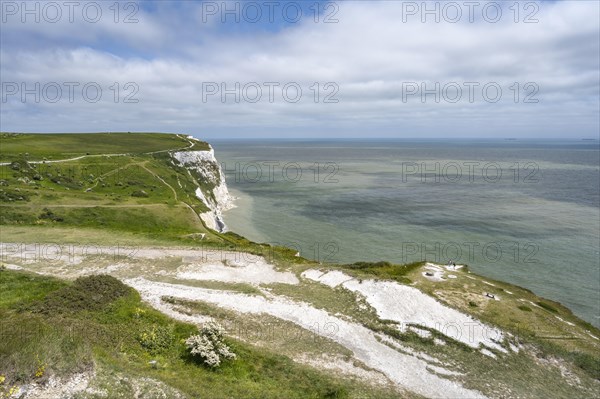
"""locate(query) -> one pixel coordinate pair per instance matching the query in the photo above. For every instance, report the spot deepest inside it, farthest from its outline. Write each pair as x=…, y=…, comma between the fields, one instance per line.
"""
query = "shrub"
x=209, y=345
x=86, y=293
x=587, y=363
x=524, y=308
x=49, y=215
x=14, y=195
x=369, y=265
x=140, y=194
x=547, y=307
x=473, y=304
x=386, y=270
x=156, y=338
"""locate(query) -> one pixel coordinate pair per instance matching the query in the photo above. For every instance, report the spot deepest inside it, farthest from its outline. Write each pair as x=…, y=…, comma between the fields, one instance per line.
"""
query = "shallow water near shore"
x=525, y=212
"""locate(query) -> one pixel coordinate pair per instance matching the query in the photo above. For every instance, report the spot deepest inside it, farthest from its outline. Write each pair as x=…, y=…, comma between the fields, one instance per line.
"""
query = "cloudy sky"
x=303, y=69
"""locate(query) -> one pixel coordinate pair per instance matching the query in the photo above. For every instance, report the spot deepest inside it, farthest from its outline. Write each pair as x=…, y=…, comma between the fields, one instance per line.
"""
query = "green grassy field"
x=60, y=146
x=140, y=193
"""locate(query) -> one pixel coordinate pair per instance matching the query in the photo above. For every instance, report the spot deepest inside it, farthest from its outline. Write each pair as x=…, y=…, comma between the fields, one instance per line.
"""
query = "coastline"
x=373, y=220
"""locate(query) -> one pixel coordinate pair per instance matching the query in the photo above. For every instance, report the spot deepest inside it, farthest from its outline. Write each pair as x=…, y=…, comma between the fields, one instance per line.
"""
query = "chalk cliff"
x=212, y=188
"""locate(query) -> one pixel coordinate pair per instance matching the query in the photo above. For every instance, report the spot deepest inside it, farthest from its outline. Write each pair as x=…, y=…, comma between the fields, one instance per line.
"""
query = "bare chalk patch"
x=404, y=370
x=409, y=306
x=234, y=270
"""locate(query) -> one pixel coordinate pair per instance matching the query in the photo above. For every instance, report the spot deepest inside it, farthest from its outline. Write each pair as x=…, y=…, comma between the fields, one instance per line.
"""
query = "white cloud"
x=370, y=54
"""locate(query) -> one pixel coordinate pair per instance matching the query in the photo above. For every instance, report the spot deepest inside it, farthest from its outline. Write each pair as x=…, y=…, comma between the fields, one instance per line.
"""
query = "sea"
x=522, y=211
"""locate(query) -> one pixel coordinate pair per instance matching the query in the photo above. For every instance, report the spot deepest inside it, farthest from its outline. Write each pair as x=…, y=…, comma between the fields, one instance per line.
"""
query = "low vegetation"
x=383, y=270
x=60, y=146
x=73, y=180
x=85, y=294
x=125, y=335
x=209, y=345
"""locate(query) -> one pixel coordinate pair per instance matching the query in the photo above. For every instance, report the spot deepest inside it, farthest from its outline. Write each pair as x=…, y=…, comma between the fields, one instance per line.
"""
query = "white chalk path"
x=407, y=371
x=408, y=305
x=236, y=271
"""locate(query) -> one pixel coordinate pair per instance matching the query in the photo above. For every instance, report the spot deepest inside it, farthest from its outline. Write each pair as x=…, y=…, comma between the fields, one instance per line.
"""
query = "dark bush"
x=49, y=215
x=588, y=363
x=369, y=265
x=12, y=195
x=139, y=194
x=86, y=293
x=386, y=270
x=547, y=307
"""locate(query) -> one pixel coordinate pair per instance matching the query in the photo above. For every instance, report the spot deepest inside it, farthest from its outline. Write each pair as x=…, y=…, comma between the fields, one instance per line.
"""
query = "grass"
x=55, y=233
x=536, y=325
x=85, y=294
x=546, y=306
x=383, y=270
x=241, y=288
x=21, y=289
x=266, y=331
x=99, y=195
x=333, y=300
x=108, y=333
x=57, y=146
x=141, y=192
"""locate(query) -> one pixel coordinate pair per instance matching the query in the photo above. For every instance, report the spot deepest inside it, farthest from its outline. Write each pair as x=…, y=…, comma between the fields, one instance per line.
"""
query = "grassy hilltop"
x=59, y=146
x=123, y=189
x=111, y=181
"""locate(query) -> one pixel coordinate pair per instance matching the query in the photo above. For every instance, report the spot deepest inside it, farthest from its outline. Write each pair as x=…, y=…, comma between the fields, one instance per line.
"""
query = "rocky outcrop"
x=213, y=192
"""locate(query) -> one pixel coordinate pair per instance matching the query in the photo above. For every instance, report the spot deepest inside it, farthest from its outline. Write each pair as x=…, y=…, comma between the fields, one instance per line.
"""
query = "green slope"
x=51, y=327
x=58, y=146
x=137, y=189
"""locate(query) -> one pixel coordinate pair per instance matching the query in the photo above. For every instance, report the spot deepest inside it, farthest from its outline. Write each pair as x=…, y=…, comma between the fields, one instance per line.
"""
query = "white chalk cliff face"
x=218, y=200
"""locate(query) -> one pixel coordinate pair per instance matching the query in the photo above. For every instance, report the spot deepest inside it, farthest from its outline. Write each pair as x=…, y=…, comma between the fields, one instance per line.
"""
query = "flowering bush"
x=139, y=312
x=41, y=368
x=156, y=338
x=7, y=391
x=209, y=345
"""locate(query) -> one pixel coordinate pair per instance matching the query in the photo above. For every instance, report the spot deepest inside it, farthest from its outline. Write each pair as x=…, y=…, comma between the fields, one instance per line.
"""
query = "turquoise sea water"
x=525, y=212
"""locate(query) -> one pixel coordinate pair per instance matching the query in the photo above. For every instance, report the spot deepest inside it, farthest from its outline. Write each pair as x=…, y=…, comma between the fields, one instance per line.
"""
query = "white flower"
x=209, y=345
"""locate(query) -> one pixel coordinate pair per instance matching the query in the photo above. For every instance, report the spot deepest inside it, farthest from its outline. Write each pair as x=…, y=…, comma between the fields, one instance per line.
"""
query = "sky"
x=303, y=69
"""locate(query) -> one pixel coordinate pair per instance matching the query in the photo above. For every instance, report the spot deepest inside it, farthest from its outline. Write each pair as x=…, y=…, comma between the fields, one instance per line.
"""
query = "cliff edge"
x=211, y=186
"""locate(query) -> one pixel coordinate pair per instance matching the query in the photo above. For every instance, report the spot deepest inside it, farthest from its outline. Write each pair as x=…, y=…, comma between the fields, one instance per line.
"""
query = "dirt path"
x=406, y=371
x=69, y=159
x=140, y=164
x=416, y=372
x=108, y=155
x=143, y=166
x=88, y=205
